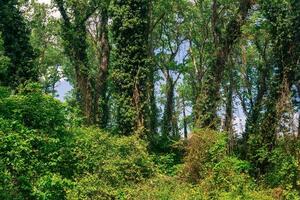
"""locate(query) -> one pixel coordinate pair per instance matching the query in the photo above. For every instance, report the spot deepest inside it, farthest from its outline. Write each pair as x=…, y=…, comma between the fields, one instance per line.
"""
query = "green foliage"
x=284, y=169
x=4, y=60
x=15, y=35
x=4, y=92
x=106, y=164
x=219, y=175
x=246, y=51
x=51, y=187
x=228, y=179
x=165, y=188
x=34, y=109
x=130, y=71
x=32, y=141
x=167, y=164
x=205, y=149
x=27, y=154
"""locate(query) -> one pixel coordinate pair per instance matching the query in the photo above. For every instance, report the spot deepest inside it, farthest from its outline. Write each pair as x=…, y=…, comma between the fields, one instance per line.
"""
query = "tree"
x=17, y=47
x=90, y=87
x=223, y=41
x=283, y=19
x=130, y=71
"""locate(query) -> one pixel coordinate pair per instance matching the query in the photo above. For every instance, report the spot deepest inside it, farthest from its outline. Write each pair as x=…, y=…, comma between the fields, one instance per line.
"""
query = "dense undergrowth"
x=45, y=154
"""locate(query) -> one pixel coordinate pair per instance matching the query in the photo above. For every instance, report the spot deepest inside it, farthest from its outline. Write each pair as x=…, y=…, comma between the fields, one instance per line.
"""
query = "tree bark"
x=74, y=36
x=101, y=83
x=185, y=126
x=167, y=126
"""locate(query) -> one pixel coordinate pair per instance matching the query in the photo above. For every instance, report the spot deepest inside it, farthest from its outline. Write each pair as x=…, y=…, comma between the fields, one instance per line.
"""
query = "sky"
x=44, y=1
x=62, y=88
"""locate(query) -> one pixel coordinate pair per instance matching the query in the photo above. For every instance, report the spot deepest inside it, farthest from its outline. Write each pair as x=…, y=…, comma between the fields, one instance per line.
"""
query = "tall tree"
x=17, y=47
x=98, y=29
x=283, y=18
x=130, y=71
x=224, y=40
x=90, y=87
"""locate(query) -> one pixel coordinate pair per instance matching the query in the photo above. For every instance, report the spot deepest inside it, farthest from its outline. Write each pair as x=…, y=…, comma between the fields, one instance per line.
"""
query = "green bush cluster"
x=43, y=155
x=107, y=164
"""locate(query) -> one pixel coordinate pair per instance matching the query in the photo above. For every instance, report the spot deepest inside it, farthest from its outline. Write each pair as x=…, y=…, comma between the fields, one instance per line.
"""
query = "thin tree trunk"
x=101, y=94
x=152, y=115
x=229, y=108
x=298, y=89
x=185, y=128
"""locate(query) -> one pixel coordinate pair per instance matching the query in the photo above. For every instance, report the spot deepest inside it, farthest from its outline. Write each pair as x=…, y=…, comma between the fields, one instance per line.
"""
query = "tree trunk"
x=298, y=89
x=131, y=72
x=167, y=126
x=101, y=83
x=185, y=127
x=210, y=95
x=152, y=108
x=74, y=36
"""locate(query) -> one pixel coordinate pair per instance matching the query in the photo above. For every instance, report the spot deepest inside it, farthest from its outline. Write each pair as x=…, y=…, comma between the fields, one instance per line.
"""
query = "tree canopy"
x=177, y=99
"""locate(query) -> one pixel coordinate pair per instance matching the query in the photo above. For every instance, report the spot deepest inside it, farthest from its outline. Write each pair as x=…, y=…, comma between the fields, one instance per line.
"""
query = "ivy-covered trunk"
x=17, y=47
x=74, y=36
x=286, y=41
x=130, y=71
x=167, y=122
x=206, y=110
x=91, y=88
x=101, y=80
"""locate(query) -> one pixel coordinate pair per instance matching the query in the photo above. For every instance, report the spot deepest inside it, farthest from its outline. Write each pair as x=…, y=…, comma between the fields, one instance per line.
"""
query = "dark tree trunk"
x=298, y=90
x=185, y=126
x=101, y=84
x=167, y=123
x=152, y=108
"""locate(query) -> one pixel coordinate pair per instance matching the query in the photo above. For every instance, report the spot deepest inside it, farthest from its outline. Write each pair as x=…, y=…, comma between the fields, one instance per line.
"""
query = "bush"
x=284, y=169
x=51, y=187
x=6, y=183
x=28, y=148
x=167, y=164
x=106, y=164
x=26, y=154
x=165, y=188
x=4, y=92
x=34, y=109
x=229, y=179
x=205, y=148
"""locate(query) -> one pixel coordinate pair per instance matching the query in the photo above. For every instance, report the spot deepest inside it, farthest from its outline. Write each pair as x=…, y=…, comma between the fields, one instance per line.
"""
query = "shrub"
x=228, y=179
x=106, y=164
x=4, y=92
x=165, y=188
x=26, y=154
x=28, y=147
x=51, y=187
x=166, y=164
x=283, y=169
x=205, y=148
x=6, y=184
x=34, y=109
